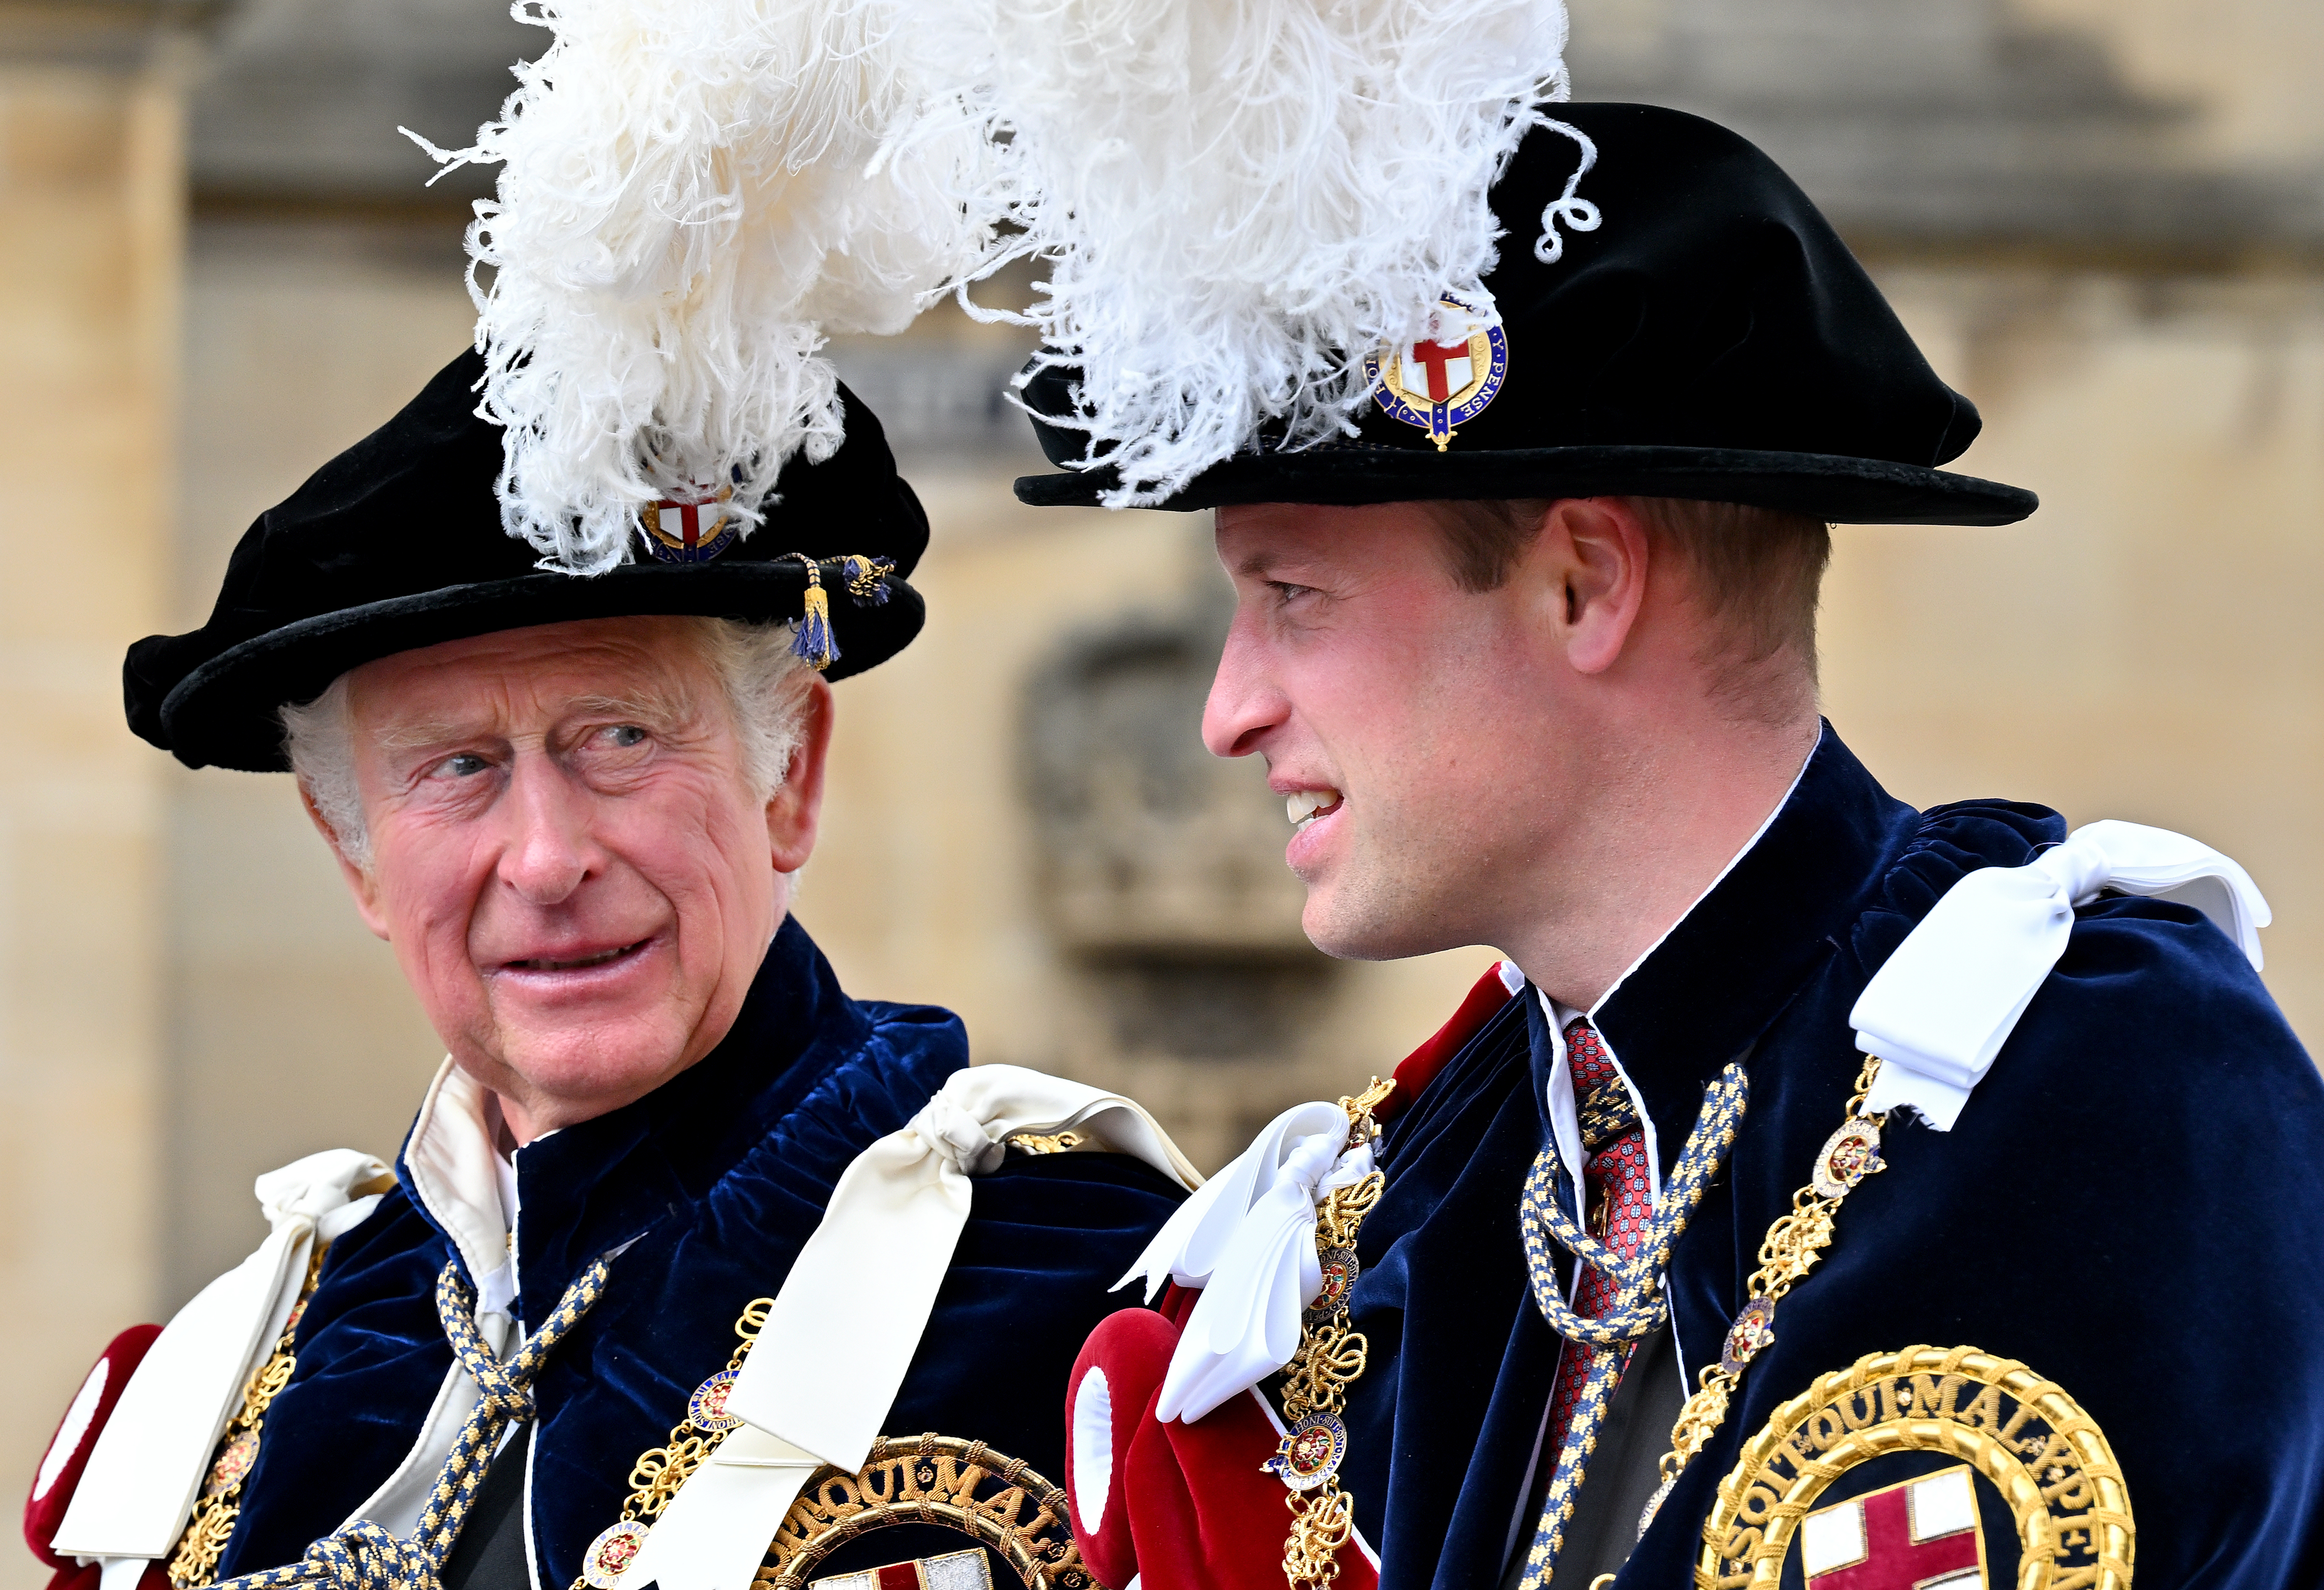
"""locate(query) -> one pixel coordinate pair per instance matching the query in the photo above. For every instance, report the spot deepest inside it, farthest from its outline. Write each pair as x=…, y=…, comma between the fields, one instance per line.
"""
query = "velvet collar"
x=591, y=1188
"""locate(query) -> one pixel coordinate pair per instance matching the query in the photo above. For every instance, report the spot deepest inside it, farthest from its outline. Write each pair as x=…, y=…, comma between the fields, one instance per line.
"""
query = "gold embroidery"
x=2028, y=1438
x=1037, y=1143
x=961, y=1486
x=219, y=1505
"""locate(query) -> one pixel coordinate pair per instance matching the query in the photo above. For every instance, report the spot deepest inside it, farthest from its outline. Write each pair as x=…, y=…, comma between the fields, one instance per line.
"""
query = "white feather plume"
x=693, y=194
x=1238, y=199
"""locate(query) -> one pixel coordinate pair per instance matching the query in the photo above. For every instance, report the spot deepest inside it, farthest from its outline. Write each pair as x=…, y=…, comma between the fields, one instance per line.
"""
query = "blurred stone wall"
x=2100, y=220
x=91, y=186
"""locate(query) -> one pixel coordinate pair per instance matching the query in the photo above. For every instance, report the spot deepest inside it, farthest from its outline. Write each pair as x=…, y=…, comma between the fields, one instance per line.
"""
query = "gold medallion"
x=964, y=1486
x=2010, y=1434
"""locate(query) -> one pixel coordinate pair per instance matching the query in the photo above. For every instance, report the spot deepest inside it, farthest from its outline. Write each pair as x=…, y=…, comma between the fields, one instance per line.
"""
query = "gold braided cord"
x=1331, y=1358
x=362, y=1556
x=1640, y=1304
x=219, y=1507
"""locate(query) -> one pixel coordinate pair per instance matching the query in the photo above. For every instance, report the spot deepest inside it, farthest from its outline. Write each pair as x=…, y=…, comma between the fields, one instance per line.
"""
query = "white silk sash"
x=1942, y=1007
x=138, y=1489
x=1247, y=1239
x=827, y=1364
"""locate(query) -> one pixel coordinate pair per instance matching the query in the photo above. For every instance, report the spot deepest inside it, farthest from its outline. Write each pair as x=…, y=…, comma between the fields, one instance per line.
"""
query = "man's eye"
x=464, y=764
x=622, y=735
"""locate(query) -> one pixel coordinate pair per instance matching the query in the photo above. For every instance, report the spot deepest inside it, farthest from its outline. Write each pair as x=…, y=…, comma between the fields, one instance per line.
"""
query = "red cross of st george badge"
x=1920, y=1534
x=955, y=1570
x=688, y=531
x=1447, y=377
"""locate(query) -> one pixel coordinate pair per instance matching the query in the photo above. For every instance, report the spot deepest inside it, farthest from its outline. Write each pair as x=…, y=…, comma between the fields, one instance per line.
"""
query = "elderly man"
x=575, y=807
x=1824, y=1193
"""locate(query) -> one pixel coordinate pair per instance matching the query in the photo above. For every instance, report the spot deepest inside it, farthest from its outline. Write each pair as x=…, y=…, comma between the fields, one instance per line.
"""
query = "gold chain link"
x=1331, y=1358
x=656, y=1475
x=194, y=1561
x=1786, y=1254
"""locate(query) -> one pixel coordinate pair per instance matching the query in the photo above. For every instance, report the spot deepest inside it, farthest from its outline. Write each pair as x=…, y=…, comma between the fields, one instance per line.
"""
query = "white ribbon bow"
x=135, y=1494
x=1939, y=1012
x=1247, y=1239
x=830, y=1358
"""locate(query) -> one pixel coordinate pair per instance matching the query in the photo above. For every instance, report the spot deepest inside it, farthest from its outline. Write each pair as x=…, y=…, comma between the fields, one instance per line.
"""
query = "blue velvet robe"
x=2132, y=1204
x=715, y=1180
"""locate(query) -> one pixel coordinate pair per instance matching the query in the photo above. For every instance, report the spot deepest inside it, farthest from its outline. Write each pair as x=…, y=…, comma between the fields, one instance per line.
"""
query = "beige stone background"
x=2104, y=218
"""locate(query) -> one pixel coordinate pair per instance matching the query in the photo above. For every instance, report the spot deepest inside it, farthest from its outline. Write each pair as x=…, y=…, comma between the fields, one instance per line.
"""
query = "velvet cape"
x=2132, y=1204
x=714, y=1180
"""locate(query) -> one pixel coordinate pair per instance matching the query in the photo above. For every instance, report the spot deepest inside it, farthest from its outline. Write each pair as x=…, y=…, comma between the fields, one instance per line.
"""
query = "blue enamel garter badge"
x=1448, y=377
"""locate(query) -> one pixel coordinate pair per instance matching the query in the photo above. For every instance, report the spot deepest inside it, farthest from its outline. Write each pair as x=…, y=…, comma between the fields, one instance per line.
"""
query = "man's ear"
x=1599, y=552
x=796, y=807
x=360, y=884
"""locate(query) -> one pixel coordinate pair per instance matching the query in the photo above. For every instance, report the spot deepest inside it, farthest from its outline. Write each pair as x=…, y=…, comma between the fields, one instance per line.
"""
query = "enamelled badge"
x=688, y=532
x=1450, y=374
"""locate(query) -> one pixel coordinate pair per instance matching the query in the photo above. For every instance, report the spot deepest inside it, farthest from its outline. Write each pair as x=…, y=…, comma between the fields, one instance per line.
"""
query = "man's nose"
x=1244, y=703
x=549, y=850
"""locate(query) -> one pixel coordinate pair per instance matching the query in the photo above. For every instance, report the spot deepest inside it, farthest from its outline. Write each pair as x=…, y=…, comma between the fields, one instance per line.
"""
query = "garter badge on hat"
x=1450, y=374
x=689, y=532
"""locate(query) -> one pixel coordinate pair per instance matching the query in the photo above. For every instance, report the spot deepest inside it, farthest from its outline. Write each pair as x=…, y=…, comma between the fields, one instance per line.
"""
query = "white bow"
x=135, y=1494
x=1939, y=1012
x=1247, y=1239
x=833, y=1352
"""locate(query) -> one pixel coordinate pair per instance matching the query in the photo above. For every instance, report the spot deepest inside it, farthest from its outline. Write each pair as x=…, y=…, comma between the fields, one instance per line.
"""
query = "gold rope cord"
x=220, y=1506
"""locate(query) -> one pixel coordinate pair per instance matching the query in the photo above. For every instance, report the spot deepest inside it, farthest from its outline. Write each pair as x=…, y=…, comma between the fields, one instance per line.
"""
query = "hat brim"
x=1829, y=486
x=225, y=713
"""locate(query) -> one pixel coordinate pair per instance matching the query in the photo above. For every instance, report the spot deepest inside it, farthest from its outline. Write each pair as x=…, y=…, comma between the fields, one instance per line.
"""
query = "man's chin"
x=574, y=1072
x=1368, y=930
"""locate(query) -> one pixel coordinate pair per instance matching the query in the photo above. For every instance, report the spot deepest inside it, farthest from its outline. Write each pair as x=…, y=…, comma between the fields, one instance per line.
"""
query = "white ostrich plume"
x=694, y=193
x=1239, y=199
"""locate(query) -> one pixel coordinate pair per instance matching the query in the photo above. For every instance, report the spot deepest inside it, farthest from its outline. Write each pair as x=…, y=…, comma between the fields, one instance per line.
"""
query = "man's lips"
x=583, y=961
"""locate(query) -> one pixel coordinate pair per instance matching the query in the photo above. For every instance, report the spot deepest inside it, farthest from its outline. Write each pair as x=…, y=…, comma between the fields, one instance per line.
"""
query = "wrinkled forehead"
x=519, y=679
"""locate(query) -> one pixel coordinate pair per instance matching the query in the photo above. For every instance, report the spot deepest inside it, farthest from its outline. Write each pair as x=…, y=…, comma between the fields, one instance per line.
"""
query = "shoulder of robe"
x=2151, y=997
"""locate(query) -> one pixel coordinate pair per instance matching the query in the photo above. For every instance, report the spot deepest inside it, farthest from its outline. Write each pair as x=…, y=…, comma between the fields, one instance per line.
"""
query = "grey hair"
x=766, y=685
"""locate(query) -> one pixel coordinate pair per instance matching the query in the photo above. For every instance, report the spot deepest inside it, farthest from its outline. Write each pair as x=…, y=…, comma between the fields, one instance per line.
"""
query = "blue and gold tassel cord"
x=866, y=580
x=813, y=639
x=1640, y=1305
x=362, y=1556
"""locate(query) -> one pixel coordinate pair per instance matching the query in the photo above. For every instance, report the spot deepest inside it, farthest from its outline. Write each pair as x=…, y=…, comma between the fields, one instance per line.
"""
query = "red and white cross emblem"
x=1920, y=1534
x=1447, y=364
x=688, y=522
x=955, y=1570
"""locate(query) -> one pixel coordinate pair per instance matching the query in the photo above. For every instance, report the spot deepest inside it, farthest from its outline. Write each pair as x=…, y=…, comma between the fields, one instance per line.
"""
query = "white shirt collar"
x=455, y=1173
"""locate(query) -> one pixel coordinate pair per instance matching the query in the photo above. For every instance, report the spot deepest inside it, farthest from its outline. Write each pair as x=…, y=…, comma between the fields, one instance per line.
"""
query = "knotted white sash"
x=1939, y=1012
x=829, y=1360
x=1247, y=1239
x=138, y=1489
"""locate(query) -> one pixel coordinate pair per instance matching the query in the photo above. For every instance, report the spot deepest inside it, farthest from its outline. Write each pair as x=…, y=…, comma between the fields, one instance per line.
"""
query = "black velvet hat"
x=397, y=544
x=1712, y=339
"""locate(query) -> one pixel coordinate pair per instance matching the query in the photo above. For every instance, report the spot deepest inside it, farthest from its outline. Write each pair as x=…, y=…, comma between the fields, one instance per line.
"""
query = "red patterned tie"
x=1621, y=1202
